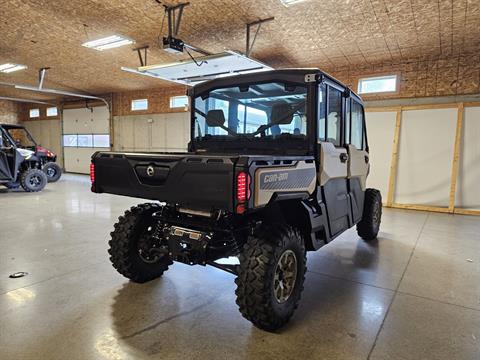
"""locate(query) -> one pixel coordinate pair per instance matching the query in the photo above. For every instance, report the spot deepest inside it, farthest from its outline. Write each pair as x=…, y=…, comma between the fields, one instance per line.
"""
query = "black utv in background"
x=277, y=166
x=23, y=162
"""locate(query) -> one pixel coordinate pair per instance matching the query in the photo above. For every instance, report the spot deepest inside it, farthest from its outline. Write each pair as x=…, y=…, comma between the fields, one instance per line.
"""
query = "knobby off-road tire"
x=136, y=225
x=53, y=171
x=369, y=226
x=33, y=180
x=258, y=277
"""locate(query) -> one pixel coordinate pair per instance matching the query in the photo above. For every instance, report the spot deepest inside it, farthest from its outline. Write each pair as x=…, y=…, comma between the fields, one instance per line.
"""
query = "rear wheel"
x=369, y=226
x=53, y=171
x=33, y=180
x=133, y=249
x=270, y=277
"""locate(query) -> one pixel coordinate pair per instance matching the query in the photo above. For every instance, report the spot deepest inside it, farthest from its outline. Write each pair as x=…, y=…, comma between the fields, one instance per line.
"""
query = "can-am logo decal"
x=285, y=180
x=275, y=177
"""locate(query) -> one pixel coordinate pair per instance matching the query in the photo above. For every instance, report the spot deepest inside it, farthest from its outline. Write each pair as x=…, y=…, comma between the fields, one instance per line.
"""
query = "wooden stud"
x=429, y=106
x=471, y=104
x=466, y=212
x=456, y=158
x=394, y=160
x=420, y=207
x=383, y=109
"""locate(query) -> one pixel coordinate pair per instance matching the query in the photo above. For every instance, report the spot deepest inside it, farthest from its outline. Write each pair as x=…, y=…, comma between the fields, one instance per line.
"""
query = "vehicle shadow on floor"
x=154, y=321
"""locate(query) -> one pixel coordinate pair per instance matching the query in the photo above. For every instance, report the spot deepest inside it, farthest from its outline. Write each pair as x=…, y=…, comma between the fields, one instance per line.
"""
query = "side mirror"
x=215, y=118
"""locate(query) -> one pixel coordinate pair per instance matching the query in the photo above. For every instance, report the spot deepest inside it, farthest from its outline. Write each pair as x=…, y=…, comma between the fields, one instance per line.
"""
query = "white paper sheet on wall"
x=380, y=132
x=468, y=193
x=425, y=157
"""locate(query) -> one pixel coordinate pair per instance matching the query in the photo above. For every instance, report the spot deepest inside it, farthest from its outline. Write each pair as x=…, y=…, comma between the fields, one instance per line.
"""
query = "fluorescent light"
x=108, y=42
x=8, y=68
x=287, y=3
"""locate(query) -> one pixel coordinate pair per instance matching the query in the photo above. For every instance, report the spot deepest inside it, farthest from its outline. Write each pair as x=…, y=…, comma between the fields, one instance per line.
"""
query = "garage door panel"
x=101, y=116
x=83, y=121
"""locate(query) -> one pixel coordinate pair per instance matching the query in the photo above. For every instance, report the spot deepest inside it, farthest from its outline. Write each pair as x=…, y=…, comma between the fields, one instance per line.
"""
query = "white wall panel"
x=425, y=157
x=380, y=132
x=468, y=183
x=159, y=134
x=155, y=132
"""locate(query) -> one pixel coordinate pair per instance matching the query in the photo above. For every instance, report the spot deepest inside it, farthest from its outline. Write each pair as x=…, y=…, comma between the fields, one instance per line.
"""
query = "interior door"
x=358, y=162
x=334, y=160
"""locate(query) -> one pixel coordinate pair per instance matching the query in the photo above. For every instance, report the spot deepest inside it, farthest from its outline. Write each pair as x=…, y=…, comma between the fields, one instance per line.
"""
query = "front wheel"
x=133, y=249
x=53, y=171
x=270, y=277
x=33, y=180
x=369, y=226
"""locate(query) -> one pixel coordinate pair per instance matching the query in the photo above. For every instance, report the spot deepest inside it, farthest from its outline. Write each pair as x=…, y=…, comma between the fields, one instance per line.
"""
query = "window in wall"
x=52, y=111
x=178, y=101
x=101, y=140
x=322, y=108
x=334, y=117
x=70, y=140
x=34, y=113
x=139, y=104
x=357, y=126
x=377, y=84
x=85, y=140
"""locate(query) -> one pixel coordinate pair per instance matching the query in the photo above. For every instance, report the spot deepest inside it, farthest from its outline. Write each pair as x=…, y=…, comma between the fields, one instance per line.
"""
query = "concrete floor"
x=410, y=295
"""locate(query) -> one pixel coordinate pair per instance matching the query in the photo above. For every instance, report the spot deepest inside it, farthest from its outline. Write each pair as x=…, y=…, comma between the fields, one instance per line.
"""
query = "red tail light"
x=92, y=173
x=242, y=186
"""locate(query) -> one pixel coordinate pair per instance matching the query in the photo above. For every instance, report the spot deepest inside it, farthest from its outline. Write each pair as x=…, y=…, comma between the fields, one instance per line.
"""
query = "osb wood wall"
x=9, y=112
x=458, y=75
x=24, y=112
x=158, y=101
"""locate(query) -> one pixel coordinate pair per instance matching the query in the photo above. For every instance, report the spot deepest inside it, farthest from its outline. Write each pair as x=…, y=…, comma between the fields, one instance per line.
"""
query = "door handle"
x=366, y=159
x=343, y=157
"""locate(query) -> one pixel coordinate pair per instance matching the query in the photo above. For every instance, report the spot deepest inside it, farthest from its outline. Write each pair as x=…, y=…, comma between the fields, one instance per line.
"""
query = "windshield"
x=21, y=137
x=269, y=110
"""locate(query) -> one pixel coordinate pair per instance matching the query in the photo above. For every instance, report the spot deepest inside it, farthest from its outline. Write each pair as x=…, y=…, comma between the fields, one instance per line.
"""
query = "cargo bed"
x=201, y=182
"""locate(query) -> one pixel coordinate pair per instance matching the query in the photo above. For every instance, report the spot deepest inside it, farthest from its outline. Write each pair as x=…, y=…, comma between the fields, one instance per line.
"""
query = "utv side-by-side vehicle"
x=23, y=162
x=276, y=166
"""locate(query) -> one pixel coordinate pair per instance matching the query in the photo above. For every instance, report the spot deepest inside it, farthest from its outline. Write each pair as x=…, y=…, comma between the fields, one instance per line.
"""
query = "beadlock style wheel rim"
x=51, y=172
x=35, y=181
x=285, y=276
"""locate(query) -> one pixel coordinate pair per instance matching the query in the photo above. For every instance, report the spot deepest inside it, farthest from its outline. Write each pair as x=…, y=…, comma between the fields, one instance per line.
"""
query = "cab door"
x=333, y=168
x=7, y=157
x=358, y=157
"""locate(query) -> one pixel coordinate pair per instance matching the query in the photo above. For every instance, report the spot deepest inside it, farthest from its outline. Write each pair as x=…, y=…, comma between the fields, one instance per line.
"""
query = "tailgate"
x=194, y=181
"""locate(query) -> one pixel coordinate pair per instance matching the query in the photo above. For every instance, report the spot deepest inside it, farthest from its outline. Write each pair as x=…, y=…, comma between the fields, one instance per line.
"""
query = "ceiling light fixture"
x=109, y=42
x=8, y=68
x=287, y=3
